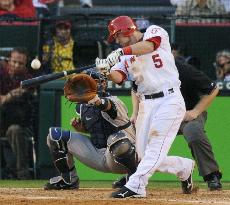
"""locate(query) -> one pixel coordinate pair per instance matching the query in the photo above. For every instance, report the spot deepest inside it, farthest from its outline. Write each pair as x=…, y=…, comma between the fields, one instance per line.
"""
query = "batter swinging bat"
x=53, y=76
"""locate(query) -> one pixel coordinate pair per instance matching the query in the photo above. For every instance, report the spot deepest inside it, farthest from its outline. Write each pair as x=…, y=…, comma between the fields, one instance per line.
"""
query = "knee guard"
x=57, y=140
x=123, y=151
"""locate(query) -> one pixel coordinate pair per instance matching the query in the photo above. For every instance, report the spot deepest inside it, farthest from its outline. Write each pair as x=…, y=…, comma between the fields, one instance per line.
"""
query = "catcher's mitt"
x=80, y=88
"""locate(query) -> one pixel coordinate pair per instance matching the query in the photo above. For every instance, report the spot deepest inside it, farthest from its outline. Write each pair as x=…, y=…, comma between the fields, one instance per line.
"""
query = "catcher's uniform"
x=161, y=110
x=93, y=151
x=110, y=147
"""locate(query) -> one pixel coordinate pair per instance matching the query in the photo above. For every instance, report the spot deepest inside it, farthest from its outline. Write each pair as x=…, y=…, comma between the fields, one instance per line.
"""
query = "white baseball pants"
x=157, y=125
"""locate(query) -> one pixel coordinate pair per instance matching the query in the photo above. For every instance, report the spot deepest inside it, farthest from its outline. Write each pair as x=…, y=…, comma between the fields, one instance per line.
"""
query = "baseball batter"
x=110, y=147
x=148, y=60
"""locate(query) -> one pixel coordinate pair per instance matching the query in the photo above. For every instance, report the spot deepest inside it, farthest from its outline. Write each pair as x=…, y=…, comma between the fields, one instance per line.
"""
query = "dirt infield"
x=28, y=196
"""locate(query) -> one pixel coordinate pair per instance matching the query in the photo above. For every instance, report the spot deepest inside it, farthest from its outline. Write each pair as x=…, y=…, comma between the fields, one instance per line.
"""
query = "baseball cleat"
x=124, y=192
x=187, y=185
x=57, y=183
x=120, y=182
x=214, y=184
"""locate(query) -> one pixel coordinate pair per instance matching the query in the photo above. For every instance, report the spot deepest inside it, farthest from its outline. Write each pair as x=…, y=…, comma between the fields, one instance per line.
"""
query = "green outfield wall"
x=217, y=128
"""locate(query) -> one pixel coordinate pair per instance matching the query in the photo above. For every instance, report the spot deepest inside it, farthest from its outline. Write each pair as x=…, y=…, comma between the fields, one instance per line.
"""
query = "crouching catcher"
x=110, y=147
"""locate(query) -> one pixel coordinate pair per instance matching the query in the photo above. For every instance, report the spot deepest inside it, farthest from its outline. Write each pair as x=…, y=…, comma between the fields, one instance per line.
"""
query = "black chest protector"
x=99, y=128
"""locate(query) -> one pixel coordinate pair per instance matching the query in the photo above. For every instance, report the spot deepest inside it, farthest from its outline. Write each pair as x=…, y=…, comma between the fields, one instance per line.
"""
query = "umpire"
x=198, y=91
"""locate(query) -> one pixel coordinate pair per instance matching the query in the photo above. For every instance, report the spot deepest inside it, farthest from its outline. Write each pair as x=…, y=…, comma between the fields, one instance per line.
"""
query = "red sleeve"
x=24, y=9
x=156, y=40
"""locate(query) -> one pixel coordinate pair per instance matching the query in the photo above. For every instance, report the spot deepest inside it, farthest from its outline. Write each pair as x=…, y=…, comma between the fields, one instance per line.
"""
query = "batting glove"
x=77, y=125
x=114, y=57
x=103, y=66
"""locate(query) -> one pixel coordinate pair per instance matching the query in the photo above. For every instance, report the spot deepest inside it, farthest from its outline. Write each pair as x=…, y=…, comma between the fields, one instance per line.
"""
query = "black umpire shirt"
x=194, y=84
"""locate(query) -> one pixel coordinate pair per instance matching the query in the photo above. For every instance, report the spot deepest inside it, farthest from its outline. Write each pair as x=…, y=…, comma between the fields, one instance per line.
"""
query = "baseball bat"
x=53, y=76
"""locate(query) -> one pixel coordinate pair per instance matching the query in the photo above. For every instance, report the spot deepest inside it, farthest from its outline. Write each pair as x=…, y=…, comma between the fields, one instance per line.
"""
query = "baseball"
x=35, y=64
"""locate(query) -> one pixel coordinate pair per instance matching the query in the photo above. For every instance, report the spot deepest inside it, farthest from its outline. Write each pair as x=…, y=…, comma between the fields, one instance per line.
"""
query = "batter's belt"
x=157, y=95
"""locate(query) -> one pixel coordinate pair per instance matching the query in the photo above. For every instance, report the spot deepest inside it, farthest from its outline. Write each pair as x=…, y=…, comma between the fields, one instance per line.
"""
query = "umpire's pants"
x=199, y=144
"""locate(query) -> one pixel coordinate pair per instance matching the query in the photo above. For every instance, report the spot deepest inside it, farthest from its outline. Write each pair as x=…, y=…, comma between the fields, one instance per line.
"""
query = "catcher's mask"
x=99, y=78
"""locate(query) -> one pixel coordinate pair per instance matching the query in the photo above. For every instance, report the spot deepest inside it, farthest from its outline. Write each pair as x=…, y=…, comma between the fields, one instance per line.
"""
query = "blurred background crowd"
x=68, y=34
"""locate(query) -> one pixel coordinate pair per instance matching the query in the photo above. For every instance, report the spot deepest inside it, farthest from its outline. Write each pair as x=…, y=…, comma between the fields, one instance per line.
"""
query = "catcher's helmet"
x=100, y=79
x=95, y=75
x=123, y=24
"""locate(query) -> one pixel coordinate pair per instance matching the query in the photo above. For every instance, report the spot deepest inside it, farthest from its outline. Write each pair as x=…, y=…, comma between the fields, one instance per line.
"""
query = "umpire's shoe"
x=120, y=182
x=57, y=183
x=187, y=185
x=124, y=192
x=213, y=181
x=214, y=184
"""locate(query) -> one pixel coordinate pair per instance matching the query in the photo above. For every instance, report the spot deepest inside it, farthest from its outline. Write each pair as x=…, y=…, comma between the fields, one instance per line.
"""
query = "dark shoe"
x=124, y=192
x=120, y=182
x=187, y=185
x=214, y=184
x=57, y=183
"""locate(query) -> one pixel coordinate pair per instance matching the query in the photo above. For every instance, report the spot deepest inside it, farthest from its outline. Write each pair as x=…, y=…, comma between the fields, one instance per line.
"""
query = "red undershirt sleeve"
x=156, y=40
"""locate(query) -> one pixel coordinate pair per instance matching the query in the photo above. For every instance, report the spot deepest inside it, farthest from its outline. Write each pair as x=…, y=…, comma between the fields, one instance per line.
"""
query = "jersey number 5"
x=157, y=61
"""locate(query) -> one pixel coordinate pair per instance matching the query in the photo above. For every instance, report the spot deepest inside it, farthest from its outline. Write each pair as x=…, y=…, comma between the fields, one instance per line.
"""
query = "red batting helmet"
x=123, y=24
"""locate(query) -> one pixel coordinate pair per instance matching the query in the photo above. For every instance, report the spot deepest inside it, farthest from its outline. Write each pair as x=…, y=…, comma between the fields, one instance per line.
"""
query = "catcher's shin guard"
x=57, y=142
x=124, y=153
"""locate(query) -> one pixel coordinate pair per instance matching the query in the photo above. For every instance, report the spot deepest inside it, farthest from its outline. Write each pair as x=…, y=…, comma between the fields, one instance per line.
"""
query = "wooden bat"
x=53, y=76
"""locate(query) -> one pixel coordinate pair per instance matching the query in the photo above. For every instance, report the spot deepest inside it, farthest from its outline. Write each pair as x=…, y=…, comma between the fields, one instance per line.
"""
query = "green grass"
x=97, y=184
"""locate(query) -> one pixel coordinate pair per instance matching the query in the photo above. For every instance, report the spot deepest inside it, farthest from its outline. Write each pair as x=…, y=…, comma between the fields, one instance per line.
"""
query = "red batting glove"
x=75, y=123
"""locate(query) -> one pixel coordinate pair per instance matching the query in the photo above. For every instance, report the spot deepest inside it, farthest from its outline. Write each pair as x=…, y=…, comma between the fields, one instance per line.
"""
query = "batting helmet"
x=123, y=24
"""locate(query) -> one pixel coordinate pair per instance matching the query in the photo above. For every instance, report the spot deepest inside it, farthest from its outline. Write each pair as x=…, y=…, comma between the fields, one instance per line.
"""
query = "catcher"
x=110, y=147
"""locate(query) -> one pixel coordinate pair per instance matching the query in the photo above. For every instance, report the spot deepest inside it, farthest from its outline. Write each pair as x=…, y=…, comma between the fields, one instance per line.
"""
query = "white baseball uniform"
x=158, y=119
